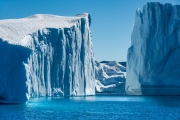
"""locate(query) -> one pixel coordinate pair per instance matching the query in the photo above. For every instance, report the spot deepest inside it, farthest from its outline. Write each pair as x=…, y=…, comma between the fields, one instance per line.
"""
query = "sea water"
x=95, y=107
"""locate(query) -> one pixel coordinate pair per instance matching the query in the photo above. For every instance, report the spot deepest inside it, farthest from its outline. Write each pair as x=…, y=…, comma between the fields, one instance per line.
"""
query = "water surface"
x=95, y=107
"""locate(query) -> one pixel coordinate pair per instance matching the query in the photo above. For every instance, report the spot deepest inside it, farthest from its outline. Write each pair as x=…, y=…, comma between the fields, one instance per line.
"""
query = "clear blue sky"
x=112, y=20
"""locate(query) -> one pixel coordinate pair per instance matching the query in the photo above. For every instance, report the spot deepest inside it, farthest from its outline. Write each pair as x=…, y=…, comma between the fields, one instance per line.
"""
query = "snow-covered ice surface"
x=110, y=77
x=46, y=55
x=153, y=62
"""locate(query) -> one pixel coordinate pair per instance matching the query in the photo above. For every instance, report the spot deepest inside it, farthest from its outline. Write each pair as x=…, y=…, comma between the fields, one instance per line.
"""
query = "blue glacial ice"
x=153, y=59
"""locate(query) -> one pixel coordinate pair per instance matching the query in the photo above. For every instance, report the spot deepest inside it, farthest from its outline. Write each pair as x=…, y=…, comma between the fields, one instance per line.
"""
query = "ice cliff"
x=46, y=55
x=110, y=77
x=153, y=60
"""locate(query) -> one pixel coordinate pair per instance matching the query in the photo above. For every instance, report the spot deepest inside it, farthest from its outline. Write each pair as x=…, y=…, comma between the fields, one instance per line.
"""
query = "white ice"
x=46, y=55
x=110, y=77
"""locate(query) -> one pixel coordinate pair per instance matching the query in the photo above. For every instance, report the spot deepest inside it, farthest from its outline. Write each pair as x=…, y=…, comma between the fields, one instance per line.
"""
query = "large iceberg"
x=46, y=55
x=110, y=77
x=153, y=60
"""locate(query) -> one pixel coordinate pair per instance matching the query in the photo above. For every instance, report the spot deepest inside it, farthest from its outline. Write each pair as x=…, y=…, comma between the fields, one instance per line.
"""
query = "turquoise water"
x=95, y=107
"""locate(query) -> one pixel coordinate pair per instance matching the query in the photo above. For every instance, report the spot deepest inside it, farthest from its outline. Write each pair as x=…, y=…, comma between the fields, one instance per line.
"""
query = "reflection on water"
x=95, y=107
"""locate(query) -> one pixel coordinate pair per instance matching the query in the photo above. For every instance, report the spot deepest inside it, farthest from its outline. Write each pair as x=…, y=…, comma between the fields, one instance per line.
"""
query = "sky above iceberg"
x=112, y=20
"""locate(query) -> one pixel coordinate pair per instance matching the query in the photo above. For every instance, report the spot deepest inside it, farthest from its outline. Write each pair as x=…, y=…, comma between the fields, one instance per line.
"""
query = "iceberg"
x=46, y=55
x=110, y=77
x=153, y=58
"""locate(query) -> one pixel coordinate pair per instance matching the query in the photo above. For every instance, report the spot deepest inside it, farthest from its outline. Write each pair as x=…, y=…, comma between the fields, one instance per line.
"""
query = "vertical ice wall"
x=153, y=65
x=54, y=62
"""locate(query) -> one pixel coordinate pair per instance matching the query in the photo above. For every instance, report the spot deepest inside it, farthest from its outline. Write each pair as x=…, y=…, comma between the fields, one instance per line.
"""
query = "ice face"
x=153, y=59
x=46, y=55
x=110, y=77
